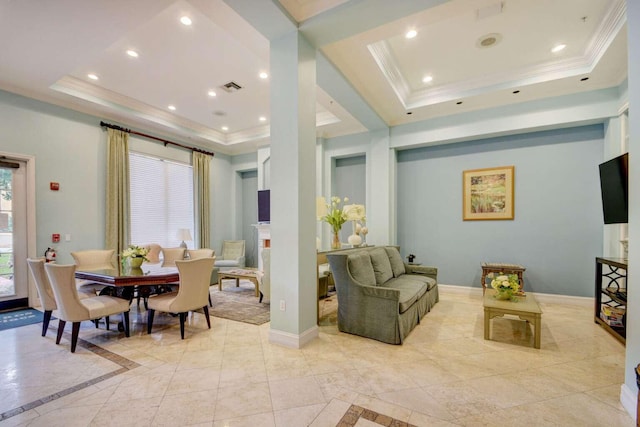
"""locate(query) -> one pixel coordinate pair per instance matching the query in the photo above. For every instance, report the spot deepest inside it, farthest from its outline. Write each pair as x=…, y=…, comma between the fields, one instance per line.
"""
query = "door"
x=14, y=289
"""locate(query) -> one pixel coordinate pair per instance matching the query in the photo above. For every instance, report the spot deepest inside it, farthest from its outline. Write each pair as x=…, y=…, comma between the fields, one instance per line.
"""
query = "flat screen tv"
x=264, y=206
x=614, y=179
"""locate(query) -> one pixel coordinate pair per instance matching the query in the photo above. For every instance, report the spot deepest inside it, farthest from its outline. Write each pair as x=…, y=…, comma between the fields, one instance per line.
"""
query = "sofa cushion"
x=397, y=265
x=381, y=265
x=361, y=269
x=410, y=291
x=430, y=282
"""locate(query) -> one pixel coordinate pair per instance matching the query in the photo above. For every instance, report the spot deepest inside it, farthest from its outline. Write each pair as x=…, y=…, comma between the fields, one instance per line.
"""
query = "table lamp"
x=185, y=235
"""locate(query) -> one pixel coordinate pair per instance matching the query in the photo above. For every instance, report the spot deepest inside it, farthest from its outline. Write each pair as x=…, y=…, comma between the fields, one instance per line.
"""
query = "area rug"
x=16, y=318
x=239, y=304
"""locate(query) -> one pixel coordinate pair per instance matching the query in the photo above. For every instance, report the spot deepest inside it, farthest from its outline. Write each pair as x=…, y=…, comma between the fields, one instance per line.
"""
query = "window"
x=161, y=200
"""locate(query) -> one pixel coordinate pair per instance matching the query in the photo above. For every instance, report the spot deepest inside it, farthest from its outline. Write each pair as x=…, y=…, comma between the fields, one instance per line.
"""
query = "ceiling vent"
x=231, y=87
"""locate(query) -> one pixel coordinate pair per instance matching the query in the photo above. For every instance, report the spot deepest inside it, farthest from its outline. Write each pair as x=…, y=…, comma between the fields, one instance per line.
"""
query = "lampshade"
x=321, y=207
x=354, y=212
x=183, y=234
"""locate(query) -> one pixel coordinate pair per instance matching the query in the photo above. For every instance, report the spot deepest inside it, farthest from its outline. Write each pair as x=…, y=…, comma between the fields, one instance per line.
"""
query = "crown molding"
x=382, y=54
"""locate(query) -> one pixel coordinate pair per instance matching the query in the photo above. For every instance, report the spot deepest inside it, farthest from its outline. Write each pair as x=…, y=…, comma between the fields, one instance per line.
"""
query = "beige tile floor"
x=445, y=374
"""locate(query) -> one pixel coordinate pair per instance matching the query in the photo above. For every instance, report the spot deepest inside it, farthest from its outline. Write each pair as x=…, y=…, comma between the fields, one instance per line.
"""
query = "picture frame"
x=488, y=194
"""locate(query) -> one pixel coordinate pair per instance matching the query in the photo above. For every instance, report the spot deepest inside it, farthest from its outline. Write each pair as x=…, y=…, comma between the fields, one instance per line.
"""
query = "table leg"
x=255, y=282
x=536, y=332
x=220, y=283
x=487, y=324
x=483, y=280
x=237, y=282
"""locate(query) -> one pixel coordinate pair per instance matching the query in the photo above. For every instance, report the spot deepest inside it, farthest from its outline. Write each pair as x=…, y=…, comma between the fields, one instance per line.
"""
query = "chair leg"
x=210, y=301
x=45, y=322
x=107, y=320
x=74, y=336
x=150, y=314
x=261, y=295
x=96, y=321
x=183, y=317
x=61, y=324
x=125, y=320
x=206, y=314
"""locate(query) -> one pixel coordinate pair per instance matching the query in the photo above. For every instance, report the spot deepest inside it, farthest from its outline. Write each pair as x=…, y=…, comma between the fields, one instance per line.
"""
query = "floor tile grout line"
x=124, y=363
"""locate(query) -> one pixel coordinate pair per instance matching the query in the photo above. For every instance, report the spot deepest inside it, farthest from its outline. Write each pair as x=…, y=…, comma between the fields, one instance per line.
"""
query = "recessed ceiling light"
x=557, y=48
x=132, y=53
x=185, y=20
x=488, y=40
x=427, y=79
x=225, y=128
x=263, y=75
x=172, y=107
x=211, y=93
x=92, y=76
x=263, y=119
x=411, y=34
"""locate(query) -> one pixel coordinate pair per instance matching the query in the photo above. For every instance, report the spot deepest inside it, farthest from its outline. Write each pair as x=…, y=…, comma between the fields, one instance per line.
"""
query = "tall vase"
x=335, y=243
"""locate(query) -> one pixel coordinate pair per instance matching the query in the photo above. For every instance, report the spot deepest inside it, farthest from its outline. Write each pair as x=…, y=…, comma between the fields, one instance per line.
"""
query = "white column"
x=381, y=190
x=293, y=165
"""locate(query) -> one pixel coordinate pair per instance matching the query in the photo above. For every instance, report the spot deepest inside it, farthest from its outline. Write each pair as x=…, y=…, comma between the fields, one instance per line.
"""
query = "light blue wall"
x=557, y=230
x=350, y=181
x=250, y=216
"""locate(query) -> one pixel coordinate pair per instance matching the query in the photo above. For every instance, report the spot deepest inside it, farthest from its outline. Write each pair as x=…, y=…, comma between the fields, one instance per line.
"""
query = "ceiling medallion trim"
x=552, y=70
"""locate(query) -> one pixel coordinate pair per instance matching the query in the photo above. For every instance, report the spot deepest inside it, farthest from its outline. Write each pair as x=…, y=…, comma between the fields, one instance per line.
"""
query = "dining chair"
x=154, y=252
x=205, y=253
x=171, y=255
x=191, y=295
x=73, y=309
x=89, y=260
x=45, y=293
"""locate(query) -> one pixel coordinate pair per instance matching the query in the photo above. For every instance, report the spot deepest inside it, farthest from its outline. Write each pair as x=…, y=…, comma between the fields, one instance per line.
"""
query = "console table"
x=611, y=296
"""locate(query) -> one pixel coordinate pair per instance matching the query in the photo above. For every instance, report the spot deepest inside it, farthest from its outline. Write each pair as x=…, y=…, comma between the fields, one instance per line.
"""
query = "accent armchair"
x=232, y=255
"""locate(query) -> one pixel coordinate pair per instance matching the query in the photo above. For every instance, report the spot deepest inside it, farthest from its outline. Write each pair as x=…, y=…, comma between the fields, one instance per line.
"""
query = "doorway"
x=14, y=288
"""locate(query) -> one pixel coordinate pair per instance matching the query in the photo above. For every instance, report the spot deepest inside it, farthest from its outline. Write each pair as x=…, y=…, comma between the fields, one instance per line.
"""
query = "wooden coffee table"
x=240, y=273
x=526, y=308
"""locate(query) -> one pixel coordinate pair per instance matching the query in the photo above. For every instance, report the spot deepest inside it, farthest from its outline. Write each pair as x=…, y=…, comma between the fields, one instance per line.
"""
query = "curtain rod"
x=164, y=141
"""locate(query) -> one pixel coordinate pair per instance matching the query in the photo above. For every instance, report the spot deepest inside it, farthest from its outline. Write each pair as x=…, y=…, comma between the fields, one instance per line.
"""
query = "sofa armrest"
x=422, y=270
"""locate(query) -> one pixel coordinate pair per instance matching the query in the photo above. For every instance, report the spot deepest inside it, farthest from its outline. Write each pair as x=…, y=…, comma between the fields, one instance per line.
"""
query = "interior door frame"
x=30, y=186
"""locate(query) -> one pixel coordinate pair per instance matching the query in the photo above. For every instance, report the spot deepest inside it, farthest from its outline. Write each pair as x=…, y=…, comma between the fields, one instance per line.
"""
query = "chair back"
x=45, y=293
x=195, y=278
x=63, y=283
x=265, y=286
x=154, y=252
x=94, y=259
x=232, y=249
x=200, y=253
x=171, y=255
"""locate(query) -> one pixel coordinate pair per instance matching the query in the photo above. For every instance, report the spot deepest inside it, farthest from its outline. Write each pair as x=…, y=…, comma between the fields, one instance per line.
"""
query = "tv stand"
x=611, y=296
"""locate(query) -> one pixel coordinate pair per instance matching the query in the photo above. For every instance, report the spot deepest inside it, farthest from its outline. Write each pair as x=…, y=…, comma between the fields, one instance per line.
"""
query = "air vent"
x=231, y=87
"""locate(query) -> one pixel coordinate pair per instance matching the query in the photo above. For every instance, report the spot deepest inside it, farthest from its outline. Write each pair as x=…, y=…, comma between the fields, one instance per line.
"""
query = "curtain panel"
x=201, y=171
x=118, y=228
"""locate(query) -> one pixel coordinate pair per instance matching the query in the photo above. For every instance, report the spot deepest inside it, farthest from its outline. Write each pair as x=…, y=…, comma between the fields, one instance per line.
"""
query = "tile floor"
x=445, y=374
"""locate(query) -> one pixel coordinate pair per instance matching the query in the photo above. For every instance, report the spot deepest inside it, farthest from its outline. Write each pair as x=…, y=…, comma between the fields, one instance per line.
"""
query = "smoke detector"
x=488, y=40
x=231, y=87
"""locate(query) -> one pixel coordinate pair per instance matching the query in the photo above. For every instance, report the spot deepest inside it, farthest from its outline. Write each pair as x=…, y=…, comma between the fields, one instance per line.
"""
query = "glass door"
x=13, y=236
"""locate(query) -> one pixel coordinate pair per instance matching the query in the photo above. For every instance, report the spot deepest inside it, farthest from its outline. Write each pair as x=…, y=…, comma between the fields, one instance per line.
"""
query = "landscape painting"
x=488, y=193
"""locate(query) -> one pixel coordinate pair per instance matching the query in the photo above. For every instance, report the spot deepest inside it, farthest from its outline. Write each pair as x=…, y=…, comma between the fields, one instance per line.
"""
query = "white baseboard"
x=540, y=297
x=629, y=400
x=287, y=339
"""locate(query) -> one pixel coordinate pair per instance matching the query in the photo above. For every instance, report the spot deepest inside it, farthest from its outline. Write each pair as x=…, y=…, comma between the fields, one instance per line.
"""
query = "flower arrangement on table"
x=332, y=213
x=135, y=255
x=506, y=285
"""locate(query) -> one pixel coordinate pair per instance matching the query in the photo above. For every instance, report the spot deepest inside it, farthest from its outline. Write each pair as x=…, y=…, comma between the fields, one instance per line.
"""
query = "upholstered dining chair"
x=265, y=279
x=192, y=293
x=154, y=252
x=171, y=255
x=92, y=259
x=73, y=309
x=205, y=253
x=232, y=255
x=45, y=293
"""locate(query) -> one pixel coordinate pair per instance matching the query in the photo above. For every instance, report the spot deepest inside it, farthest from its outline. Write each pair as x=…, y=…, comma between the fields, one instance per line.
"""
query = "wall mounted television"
x=614, y=186
x=264, y=206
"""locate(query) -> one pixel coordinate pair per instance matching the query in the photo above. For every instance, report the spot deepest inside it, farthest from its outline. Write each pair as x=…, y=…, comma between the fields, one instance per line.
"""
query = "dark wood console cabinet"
x=611, y=296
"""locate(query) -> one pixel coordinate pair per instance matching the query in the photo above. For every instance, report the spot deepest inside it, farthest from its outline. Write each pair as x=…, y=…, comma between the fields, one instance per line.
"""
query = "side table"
x=494, y=267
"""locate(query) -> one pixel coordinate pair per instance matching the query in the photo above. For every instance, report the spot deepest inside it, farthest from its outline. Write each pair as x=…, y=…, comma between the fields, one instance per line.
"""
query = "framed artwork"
x=487, y=193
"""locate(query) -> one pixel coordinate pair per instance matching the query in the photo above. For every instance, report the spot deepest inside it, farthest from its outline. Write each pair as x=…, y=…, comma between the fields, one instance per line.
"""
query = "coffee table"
x=240, y=273
x=526, y=308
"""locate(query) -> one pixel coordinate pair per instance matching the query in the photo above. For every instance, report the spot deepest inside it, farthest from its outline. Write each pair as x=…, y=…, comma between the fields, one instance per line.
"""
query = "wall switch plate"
x=283, y=306
x=67, y=237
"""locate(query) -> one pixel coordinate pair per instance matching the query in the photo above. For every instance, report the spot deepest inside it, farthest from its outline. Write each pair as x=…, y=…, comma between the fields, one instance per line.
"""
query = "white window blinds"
x=161, y=200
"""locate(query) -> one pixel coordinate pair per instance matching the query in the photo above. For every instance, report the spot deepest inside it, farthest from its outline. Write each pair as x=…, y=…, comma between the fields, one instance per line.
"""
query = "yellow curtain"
x=118, y=226
x=201, y=167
